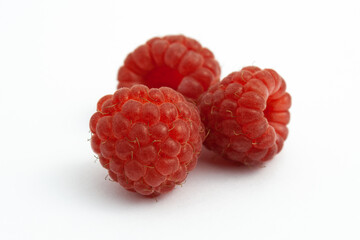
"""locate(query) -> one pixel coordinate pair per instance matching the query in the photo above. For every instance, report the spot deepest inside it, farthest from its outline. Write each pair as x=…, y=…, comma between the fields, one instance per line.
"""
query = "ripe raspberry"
x=148, y=139
x=246, y=115
x=175, y=61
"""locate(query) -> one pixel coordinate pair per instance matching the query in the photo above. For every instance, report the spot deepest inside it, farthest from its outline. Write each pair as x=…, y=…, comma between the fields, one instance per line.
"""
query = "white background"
x=57, y=58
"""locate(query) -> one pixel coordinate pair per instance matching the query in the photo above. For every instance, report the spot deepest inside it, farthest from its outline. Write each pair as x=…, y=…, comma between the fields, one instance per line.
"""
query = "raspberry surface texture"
x=148, y=139
x=246, y=115
x=174, y=61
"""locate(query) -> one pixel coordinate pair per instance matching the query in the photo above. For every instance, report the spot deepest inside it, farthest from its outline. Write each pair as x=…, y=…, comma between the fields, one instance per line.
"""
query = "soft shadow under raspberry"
x=211, y=159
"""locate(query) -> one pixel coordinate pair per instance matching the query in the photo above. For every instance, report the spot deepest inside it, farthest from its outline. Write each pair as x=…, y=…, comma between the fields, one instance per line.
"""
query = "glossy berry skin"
x=148, y=139
x=246, y=114
x=174, y=61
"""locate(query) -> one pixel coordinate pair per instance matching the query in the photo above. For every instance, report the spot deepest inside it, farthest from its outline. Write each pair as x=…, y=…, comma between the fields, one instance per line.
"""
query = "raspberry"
x=246, y=115
x=148, y=139
x=175, y=61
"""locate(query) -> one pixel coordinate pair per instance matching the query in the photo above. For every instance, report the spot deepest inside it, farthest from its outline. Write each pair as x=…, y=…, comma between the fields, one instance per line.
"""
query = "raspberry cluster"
x=149, y=133
x=148, y=139
x=246, y=115
x=173, y=61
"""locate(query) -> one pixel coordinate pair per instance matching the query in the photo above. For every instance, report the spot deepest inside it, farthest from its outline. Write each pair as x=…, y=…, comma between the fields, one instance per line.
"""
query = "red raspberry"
x=176, y=61
x=246, y=115
x=148, y=139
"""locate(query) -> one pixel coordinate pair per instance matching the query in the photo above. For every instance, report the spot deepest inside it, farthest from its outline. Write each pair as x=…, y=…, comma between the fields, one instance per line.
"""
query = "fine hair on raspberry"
x=174, y=61
x=147, y=139
x=246, y=115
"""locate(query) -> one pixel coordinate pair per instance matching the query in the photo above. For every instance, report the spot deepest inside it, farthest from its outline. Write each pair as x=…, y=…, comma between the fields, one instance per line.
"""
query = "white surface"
x=58, y=58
